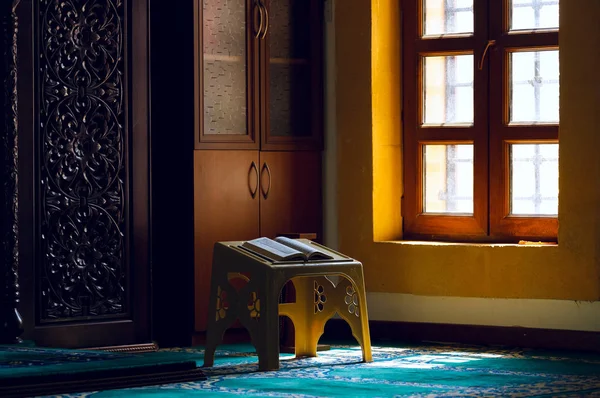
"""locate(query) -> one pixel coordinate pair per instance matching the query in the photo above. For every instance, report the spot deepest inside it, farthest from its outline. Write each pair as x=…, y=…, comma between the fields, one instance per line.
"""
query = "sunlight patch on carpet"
x=404, y=371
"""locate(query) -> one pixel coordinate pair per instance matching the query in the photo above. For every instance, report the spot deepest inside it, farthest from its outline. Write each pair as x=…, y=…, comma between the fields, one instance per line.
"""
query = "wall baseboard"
x=504, y=312
x=521, y=337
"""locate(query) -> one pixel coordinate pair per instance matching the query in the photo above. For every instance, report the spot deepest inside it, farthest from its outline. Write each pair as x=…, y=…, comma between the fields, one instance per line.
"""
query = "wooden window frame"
x=490, y=134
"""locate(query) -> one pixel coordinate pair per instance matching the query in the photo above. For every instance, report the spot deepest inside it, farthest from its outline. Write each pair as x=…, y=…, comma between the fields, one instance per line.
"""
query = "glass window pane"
x=549, y=16
x=447, y=17
x=534, y=14
x=534, y=179
x=448, y=89
x=534, y=87
x=448, y=179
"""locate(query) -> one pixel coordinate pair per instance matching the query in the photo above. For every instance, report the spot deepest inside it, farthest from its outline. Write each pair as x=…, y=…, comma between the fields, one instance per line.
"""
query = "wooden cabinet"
x=241, y=195
x=258, y=125
x=290, y=75
x=259, y=74
x=223, y=207
x=290, y=193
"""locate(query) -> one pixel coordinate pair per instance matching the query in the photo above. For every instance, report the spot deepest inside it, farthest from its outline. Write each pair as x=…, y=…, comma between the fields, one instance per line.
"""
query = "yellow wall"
x=369, y=171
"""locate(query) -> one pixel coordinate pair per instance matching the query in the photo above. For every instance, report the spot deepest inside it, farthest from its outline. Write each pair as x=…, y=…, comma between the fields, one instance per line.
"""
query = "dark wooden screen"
x=11, y=324
x=87, y=156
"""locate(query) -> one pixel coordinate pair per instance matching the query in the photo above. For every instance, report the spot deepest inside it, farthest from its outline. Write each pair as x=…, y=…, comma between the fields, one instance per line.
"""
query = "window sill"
x=466, y=244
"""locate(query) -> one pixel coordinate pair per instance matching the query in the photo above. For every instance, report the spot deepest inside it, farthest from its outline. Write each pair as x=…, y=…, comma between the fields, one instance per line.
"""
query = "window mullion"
x=481, y=93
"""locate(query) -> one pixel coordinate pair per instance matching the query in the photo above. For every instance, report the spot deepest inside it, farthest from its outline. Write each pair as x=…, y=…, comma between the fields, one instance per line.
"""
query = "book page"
x=273, y=250
x=310, y=251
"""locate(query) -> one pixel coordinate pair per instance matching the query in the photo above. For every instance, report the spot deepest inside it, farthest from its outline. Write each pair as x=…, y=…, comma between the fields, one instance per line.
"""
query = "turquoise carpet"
x=27, y=361
x=401, y=371
x=26, y=370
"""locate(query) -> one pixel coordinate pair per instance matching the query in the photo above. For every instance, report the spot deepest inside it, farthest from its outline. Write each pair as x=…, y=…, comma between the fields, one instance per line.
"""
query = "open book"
x=285, y=249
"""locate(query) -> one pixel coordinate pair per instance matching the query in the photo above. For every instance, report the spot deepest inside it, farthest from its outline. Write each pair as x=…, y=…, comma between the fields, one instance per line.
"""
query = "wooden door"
x=226, y=74
x=291, y=75
x=290, y=189
x=226, y=208
x=84, y=132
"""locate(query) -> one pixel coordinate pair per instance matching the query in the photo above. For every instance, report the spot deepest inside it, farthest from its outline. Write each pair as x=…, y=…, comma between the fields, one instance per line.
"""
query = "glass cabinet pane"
x=291, y=70
x=289, y=28
x=224, y=67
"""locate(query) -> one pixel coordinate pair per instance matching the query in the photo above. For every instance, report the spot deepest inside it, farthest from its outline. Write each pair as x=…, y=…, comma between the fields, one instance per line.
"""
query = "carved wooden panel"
x=11, y=325
x=82, y=157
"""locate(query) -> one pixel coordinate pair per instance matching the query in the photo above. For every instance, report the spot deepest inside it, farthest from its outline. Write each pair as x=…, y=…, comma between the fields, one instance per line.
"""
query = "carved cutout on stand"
x=222, y=304
x=352, y=301
x=254, y=306
x=320, y=297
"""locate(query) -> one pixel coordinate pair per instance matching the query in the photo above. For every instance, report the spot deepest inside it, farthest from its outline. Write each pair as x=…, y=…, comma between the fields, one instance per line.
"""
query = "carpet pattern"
x=401, y=371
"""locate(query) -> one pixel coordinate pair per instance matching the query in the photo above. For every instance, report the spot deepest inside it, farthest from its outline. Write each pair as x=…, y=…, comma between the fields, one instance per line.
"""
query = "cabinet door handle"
x=253, y=190
x=260, y=18
x=265, y=192
x=266, y=21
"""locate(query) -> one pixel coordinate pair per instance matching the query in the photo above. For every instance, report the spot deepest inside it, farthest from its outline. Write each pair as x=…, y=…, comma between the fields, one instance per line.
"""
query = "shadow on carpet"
x=399, y=371
x=27, y=371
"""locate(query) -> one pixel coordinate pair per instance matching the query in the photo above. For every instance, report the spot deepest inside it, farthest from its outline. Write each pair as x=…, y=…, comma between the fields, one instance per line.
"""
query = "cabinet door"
x=291, y=77
x=226, y=74
x=290, y=190
x=226, y=195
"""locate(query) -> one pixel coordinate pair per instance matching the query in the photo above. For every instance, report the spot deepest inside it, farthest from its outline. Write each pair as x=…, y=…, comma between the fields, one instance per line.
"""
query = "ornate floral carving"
x=11, y=323
x=222, y=304
x=82, y=170
x=351, y=300
x=254, y=306
x=320, y=297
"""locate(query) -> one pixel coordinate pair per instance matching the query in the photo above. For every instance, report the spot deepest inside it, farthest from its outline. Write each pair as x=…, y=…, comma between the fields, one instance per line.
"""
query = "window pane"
x=448, y=89
x=534, y=179
x=448, y=16
x=534, y=87
x=534, y=14
x=448, y=174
